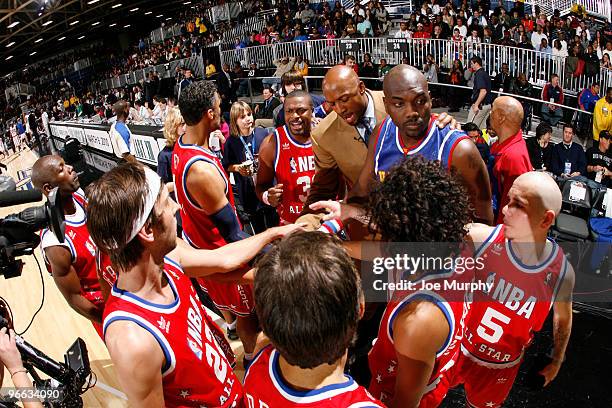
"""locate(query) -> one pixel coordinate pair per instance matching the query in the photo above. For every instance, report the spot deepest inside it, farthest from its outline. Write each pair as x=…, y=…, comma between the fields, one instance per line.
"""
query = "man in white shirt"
x=403, y=32
x=462, y=29
x=120, y=134
x=536, y=37
x=477, y=19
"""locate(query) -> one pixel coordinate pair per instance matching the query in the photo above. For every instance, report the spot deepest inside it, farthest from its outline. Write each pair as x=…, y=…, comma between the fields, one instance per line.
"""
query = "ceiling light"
x=10, y=44
x=13, y=24
x=32, y=53
x=47, y=23
x=37, y=41
x=135, y=9
x=117, y=5
x=74, y=22
x=161, y=15
x=9, y=57
x=92, y=1
x=148, y=12
x=126, y=26
x=169, y=18
x=112, y=25
x=61, y=39
x=187, y=2
x=95, y=24
x=81, y=37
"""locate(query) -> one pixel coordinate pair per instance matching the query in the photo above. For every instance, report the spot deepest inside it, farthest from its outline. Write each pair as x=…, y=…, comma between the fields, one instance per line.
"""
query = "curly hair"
x=196, y=100
x=420, y=201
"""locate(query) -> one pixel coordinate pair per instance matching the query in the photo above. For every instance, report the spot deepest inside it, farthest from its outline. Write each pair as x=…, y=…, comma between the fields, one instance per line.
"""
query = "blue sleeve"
x=163, y=166
x=581, y=161
x=227, y=222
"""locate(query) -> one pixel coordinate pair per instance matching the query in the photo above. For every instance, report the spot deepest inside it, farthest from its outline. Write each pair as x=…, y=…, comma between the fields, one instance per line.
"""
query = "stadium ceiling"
x=31, y=30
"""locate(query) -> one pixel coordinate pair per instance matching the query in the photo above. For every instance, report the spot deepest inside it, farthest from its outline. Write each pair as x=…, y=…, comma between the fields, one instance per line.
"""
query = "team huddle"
x=297, y=290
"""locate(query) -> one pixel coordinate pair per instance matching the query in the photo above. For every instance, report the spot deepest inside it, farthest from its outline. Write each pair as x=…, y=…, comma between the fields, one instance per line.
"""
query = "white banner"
x=101, y=163
x=77, y=133
x=59, y=131
x=145, y=148
x=98, y=139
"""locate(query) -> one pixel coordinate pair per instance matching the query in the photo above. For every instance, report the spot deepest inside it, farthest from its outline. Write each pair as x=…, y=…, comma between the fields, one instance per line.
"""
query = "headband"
x=154, y=183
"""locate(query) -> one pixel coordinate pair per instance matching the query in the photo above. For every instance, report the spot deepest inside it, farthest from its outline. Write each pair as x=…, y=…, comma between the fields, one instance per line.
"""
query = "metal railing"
x=537, y=66
x=599, y=7
x=167, y=70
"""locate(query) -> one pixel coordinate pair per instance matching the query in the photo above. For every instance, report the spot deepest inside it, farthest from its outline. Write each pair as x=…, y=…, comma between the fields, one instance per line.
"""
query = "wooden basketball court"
x=57, y=326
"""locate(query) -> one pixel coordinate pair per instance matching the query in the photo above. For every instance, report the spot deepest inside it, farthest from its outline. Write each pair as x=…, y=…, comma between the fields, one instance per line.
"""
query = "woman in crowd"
x=455, y=77
x=540, y=148
x=367, y=68
x=174, y=127
x=240, y=159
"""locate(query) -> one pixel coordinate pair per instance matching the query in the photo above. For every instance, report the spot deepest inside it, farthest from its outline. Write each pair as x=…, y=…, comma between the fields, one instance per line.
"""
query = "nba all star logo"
x=293, y=165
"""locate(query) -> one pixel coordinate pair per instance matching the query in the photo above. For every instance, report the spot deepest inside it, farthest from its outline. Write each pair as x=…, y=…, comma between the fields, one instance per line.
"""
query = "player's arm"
x=469, y=165
x=138, y=362
x=207, y=188
x=265, y=189
x=68, y=282
x=562, y=325
x=418, y=333
x=202, y=262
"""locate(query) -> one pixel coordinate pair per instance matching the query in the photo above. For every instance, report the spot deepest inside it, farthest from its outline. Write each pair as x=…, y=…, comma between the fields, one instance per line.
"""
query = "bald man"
x=412, y=129
x=340, y=141
x=73, y=262
x=528, y=275
x=510, y=154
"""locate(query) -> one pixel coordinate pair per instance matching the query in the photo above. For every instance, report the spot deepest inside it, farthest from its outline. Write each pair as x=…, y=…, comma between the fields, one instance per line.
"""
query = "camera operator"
x=72, y=263
x=11, y=359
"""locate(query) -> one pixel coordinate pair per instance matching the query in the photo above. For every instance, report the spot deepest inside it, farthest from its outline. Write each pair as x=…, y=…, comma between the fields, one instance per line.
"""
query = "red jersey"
x=502, y=321
x=294, y=168
x=196, y=371
x=200, y=231
x=383, y=357
x=82, y=250
x=198, y=228
x=265, y=387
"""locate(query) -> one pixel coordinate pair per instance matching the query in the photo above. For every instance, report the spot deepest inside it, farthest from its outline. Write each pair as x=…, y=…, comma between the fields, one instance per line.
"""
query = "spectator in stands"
x=537, y=36
x=211, y=71
x=482, y=97
x=242, y=85
x=120, y=134
x=241, y=151
x=544, y=48
x=290, y=82
x=185, y=82
x=283, y=65
x=364, y=27
x=475, y=134
x=403, y=31
x=367, y=68
x=602, y=114
x=226, y=87
x=587, y=99
x=301, y=66
x=383, y=68
x=540, y=148
x=552, y=92
x=509, y=153
x=455, y=95
x=599, y=160
x=591, y=61
x=568, y=159
x=351, y=61
x=421, y=32
x=503, y=80
x=264, y=112
x=462, y=29
x=161, y=109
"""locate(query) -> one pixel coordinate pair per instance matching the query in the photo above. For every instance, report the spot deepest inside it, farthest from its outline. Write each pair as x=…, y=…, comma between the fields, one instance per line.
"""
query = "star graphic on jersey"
x=379, y=378
x=490, y=404
x=391, y=369
x=184, y=393
x=501, y=380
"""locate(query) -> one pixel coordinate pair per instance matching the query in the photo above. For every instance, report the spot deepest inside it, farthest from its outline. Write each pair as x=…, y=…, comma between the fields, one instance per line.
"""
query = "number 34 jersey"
x=294, y=168
x=196, y=371
x=517, y=301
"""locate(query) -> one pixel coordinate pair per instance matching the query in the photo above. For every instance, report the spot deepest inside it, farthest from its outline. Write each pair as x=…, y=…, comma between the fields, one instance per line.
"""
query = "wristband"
x=264, y=198
x=331, y=226
x=23, y=370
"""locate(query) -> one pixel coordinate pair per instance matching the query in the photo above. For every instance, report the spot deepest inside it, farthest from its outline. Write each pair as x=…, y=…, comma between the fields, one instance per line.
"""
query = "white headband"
x=155, y=184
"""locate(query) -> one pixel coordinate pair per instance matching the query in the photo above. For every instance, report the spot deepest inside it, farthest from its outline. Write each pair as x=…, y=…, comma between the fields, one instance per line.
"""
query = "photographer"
x=11, y=359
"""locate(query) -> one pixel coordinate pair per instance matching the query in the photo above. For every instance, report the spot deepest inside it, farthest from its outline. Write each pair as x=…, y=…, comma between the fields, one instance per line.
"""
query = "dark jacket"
x=539, y=157
x=266, y=111
x=227, y=89
x=574, y=155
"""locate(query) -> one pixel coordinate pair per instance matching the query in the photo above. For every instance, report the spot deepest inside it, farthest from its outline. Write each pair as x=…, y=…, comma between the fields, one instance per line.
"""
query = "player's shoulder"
x=326, y=127
x=480, y=233
x=420, y=325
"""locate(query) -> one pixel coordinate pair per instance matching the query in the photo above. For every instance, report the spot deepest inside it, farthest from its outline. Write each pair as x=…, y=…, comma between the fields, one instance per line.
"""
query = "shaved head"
x=542, y=190
x=44, y=171
x=403, y=74
x=345, y=93
x=506, y=117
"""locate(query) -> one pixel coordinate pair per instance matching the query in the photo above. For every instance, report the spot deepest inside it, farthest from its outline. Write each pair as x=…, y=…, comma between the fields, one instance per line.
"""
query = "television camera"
x=18, y=237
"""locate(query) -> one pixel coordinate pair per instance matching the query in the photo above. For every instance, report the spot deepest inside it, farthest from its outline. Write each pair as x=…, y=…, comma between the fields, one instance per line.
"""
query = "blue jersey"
x=438, y=144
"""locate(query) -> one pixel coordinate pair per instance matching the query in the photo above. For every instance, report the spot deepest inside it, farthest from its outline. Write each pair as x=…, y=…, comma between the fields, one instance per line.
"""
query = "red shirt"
x=510, y=160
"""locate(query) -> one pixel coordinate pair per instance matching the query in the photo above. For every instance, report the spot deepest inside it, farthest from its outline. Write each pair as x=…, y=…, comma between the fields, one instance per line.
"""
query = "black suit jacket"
x=268, y=112
x=227, y=89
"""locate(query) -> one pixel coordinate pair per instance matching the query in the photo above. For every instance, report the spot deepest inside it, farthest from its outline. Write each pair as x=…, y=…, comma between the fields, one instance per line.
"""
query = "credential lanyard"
x=250, y=153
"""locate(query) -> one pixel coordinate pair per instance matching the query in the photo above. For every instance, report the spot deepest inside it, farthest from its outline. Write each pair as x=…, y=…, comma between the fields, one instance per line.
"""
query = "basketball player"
x=165, y=348
x=296, y=289
x=73, y=262
x=529, y=275
x=419, y=336
x=410, y=129
x=286, y=156
x=205, y=195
